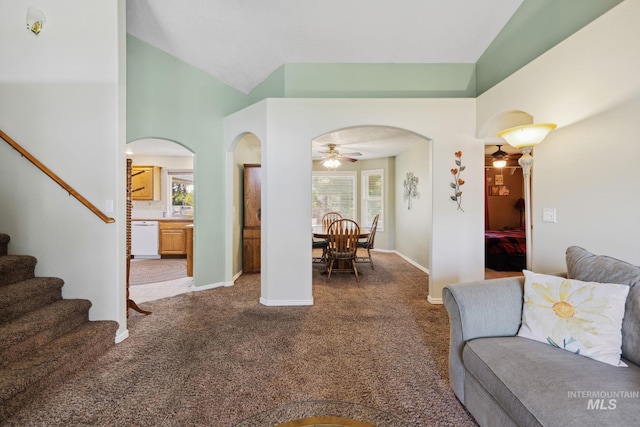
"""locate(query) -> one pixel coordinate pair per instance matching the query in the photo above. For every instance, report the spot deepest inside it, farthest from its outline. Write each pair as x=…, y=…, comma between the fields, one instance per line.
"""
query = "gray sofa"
x=506, y=380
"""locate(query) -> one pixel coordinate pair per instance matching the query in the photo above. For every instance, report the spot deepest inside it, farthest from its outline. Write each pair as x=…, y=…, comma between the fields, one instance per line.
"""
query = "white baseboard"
x=122, y=336
x=406, y=258
x=211, y=286
x=430, y=299
x=281, y=303
x=434, y=300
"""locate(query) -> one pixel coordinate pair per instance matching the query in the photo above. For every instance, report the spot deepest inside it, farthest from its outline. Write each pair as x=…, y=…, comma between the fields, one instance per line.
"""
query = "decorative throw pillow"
x=582, y=317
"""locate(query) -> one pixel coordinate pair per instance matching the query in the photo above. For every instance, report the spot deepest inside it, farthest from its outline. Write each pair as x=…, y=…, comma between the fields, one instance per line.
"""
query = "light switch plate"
x=548, y=215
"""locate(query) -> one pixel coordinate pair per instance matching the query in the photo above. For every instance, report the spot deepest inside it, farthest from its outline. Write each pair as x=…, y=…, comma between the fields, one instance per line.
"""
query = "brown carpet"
x=145, y=271
x=374, y=351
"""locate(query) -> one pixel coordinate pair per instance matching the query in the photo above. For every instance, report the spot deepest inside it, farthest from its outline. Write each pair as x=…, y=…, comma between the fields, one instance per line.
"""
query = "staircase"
x=43, y=338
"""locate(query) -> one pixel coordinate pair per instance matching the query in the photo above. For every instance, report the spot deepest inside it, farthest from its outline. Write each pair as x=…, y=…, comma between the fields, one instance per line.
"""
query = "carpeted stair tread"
x=4, y=243
x=14, y=268
x=24, y=378
x=37, y=328
x=19, y=298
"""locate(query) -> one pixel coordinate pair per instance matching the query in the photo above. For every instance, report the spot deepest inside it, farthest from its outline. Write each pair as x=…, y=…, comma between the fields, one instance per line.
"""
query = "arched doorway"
x=162, y=218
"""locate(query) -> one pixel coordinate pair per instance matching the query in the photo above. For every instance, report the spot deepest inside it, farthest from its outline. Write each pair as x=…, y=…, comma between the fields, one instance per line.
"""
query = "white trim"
x=122, y=336
x=409, y=260
x=277, y=303
x=211, y=286
x=437, y=301
x=430, y=299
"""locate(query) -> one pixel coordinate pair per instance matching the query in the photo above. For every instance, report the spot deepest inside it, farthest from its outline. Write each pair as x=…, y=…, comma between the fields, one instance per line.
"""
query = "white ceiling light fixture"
x=35, y=20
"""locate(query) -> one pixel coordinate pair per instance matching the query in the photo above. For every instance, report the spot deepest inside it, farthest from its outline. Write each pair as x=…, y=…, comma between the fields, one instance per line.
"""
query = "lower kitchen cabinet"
x=173, y=237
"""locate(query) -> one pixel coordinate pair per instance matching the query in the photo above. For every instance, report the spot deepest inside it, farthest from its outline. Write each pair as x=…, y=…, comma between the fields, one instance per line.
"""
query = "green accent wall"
x=379, y=80
x=271, y=87
x=536, y=27
x=169, y=99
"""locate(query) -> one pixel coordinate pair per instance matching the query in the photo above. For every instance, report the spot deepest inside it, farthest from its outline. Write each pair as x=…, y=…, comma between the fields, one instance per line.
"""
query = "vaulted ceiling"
x=241, y=42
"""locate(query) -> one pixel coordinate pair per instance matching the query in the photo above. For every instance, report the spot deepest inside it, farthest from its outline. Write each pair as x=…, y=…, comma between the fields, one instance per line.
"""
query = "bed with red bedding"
x=505, y=250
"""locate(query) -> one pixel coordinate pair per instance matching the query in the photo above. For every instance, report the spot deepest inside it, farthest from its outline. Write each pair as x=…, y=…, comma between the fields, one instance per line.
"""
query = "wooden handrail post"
x=56, y=178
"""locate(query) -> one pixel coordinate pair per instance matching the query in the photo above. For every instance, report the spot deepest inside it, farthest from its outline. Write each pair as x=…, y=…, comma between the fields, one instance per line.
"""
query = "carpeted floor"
x=145, y=271
x=374, y=351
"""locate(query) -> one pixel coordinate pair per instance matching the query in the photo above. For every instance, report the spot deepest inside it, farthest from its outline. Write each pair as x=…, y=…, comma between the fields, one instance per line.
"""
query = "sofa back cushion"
x=585, y=266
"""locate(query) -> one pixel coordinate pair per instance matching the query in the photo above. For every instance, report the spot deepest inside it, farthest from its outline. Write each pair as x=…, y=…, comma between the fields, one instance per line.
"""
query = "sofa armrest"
x=488, y=308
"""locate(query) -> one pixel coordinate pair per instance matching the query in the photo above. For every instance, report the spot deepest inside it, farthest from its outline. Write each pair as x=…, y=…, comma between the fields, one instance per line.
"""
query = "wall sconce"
x=525, y=138
x=35, y=20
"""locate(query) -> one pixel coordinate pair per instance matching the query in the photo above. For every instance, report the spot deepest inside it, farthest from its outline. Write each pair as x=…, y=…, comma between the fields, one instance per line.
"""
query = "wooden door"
x=252, y=220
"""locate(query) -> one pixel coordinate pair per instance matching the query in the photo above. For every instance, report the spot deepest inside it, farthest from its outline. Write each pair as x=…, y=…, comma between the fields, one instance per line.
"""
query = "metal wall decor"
x=410, y=188
x=458, y=182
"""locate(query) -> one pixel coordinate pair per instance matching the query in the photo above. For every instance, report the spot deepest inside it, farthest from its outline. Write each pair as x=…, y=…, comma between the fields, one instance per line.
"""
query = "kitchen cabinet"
x=173, y=237
x=145, y=182
x=252, y=220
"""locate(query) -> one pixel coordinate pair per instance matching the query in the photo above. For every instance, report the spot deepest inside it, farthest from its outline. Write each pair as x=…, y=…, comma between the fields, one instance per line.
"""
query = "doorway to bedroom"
x=505, y=241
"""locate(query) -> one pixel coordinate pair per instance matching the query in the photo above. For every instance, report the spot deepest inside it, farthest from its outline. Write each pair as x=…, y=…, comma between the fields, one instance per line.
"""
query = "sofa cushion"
x=582, y=317
x=585, y=266
x=536, y=383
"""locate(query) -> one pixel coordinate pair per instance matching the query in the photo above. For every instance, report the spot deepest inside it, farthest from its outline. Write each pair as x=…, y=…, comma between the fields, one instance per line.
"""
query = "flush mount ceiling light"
x=500, y=158
x=35, y=20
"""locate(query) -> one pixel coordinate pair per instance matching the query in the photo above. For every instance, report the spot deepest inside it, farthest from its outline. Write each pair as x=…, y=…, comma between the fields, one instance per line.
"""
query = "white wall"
x=291, y=124
x=413, y=226
x=62, y=99
x=587, y=168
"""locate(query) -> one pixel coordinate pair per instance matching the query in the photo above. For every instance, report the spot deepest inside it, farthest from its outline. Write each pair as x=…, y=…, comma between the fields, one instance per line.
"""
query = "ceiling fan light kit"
x=332, y=157
x=500, y=158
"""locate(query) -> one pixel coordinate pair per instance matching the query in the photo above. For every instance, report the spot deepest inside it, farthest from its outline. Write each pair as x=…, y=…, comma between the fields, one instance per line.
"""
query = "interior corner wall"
x=62, y=99
x=590, y=87
x=172, y=100
x=413, y=225
x=272, y=87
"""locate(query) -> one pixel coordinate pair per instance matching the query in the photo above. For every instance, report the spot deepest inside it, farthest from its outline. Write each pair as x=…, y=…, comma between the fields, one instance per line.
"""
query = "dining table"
x=319, y=232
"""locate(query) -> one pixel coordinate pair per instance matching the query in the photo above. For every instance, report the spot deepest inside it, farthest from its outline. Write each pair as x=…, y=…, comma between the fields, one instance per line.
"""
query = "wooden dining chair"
x=368, y=244
x=342, y=246
x=326, y=221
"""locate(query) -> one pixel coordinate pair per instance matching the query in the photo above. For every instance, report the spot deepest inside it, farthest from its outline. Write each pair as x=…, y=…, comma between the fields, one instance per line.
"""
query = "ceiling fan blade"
x=348, y=159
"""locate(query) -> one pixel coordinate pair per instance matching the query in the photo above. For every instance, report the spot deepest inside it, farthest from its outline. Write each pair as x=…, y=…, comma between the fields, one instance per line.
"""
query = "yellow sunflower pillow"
x=582, y=317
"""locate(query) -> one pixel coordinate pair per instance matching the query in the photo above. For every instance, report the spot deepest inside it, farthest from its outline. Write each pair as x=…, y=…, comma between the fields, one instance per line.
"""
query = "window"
x=372, y=197
x=333, y=192
x=181, y=189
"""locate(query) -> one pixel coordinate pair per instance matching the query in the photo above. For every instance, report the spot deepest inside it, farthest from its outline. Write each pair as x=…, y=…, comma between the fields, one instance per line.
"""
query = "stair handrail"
x=56, y=178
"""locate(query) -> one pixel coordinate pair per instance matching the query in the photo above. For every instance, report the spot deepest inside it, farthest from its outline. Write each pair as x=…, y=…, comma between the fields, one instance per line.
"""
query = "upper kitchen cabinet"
x=145, y=182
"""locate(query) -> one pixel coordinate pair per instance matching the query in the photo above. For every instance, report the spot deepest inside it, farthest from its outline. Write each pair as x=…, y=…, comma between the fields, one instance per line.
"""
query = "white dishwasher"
x=144, y=239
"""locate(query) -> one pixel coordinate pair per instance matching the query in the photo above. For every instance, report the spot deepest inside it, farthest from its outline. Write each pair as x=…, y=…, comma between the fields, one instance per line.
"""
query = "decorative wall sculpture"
x=410, y=188
x=458, y=182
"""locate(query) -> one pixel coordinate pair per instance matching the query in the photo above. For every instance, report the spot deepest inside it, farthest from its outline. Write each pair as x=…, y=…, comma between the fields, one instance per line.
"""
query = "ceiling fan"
x=332, y=157
x=500, y=158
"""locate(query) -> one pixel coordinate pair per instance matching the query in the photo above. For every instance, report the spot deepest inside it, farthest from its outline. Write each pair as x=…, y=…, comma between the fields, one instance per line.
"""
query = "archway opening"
x=163, y=193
